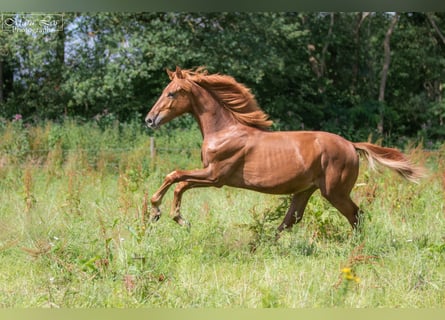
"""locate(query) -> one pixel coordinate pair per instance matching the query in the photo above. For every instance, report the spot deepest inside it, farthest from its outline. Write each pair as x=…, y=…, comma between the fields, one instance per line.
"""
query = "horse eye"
x=171, y=95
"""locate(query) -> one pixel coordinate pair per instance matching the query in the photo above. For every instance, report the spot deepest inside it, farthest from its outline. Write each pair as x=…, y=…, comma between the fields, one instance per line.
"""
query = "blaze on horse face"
x=173, y=102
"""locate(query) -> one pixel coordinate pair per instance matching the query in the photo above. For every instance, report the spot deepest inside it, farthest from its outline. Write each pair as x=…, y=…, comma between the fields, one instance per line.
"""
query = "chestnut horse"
x=239, y=151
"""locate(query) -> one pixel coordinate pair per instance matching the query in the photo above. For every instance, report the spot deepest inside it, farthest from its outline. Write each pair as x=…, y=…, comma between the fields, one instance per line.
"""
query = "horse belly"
x=276, y=167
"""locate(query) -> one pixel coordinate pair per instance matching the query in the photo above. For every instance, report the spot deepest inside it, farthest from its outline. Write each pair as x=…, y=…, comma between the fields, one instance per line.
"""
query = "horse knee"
x=155, y=200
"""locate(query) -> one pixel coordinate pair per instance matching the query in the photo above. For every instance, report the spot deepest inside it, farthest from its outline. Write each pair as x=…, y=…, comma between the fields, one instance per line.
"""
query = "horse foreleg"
x=156, y=199
x=188, y=179
x=175, y=212
x=181, y=187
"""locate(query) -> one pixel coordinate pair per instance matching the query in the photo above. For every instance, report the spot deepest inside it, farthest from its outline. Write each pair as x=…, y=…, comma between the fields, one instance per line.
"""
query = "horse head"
x=174, y=101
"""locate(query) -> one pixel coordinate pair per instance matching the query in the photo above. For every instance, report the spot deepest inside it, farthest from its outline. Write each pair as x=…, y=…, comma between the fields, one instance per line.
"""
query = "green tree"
x=314, y=70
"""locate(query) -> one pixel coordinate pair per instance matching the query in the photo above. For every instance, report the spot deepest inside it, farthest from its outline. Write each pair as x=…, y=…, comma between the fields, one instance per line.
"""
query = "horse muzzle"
x=153, y=122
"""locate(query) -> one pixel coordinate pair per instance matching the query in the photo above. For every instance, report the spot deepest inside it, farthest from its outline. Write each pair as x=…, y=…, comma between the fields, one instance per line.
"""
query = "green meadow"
x=74, y=232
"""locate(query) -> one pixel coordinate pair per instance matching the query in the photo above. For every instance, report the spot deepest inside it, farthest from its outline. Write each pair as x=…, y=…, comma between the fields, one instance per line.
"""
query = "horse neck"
x=209, y=113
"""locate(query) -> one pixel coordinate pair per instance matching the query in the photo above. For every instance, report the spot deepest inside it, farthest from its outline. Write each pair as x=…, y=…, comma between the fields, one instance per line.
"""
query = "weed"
x=348, y=279
x=270, y=298
x=29, y=198
x=73, y=194
x=265, y=222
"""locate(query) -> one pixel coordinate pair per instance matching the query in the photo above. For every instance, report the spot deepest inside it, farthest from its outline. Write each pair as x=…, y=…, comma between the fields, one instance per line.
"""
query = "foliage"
x=308, y=70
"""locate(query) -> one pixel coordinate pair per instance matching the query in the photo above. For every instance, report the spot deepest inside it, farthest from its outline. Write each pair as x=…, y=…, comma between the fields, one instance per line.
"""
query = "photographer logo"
x=32, y=23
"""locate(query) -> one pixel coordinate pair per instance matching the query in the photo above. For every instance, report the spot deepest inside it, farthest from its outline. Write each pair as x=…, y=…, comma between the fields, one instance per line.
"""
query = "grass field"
x=72, y=231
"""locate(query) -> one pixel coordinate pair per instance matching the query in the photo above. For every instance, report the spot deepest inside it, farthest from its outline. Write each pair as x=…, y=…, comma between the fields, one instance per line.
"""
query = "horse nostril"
x=152, y=122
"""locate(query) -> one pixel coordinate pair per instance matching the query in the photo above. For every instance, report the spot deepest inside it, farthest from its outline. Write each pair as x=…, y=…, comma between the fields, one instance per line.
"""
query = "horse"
x=239, y=150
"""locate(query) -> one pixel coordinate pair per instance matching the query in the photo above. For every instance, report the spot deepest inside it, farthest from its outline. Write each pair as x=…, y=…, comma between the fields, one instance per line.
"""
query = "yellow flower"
x=348, y=274
x=346, y=270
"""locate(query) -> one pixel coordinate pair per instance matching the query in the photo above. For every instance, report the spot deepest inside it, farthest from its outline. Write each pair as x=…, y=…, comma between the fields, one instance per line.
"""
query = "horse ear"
x=170, y=73
x=179, y=74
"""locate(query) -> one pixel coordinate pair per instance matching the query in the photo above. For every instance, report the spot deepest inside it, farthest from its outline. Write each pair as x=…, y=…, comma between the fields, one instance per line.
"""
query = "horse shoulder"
x=223, y=145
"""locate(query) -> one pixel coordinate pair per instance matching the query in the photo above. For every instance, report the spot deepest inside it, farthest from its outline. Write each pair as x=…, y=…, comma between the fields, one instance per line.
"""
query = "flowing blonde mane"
x=234, y=96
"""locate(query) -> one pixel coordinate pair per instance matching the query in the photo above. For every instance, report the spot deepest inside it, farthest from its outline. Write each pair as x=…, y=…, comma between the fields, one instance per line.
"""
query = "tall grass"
x=73, y=231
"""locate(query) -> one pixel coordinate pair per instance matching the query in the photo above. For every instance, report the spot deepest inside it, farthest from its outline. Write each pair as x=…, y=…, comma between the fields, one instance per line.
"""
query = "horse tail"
x=391, y=158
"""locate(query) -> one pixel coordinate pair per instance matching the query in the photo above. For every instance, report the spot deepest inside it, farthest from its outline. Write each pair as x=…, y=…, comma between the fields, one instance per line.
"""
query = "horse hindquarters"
x=340, y=165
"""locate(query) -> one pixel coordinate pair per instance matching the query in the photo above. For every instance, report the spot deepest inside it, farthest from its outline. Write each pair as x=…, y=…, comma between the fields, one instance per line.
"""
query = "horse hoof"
x=187, y=225
x=182, y=222
x=155, y=214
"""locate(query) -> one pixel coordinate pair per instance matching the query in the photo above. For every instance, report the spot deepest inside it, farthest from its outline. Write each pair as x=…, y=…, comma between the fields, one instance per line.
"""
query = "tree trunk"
x=326, y=44
x=430, y=17
x=319, y=67
x=2, y=83
x=386, y=62
x=361, y=16
x=60, y=66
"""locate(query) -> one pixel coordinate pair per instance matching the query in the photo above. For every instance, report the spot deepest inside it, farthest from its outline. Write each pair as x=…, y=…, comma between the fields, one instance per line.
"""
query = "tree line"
x=355, y=74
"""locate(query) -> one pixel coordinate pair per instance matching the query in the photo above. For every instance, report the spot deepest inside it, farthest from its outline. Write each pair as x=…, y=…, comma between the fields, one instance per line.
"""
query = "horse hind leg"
x=336, y=187
x=347, y=207
x=296, y=210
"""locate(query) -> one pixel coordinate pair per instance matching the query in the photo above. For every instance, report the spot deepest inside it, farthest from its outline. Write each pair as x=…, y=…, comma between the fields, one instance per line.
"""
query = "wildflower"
x=17, y=117
x=348, y=274
x=346, y=270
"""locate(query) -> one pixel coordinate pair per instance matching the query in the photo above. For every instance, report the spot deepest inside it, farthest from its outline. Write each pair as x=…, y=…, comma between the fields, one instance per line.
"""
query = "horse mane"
x=234, y=96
